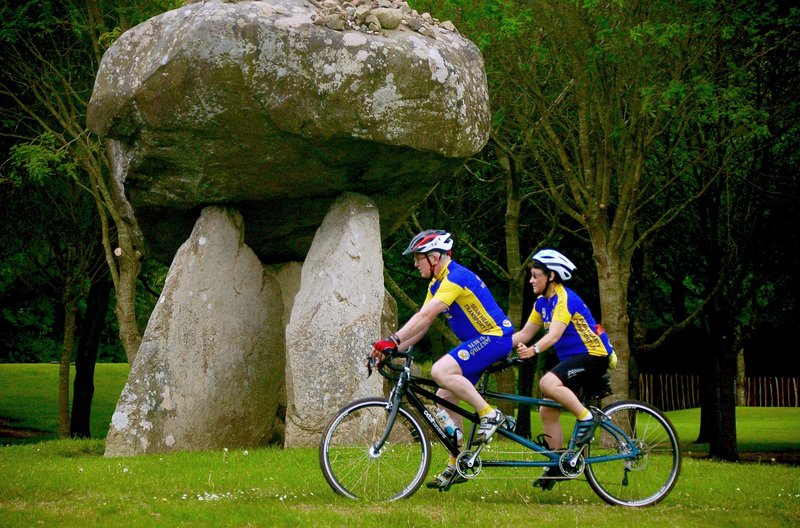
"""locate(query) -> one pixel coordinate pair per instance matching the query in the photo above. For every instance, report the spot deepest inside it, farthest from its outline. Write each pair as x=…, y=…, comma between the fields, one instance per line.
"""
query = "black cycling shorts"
x=577, y=371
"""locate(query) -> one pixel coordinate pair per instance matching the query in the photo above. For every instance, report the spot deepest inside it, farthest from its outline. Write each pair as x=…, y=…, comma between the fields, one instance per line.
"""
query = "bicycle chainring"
x=571, y=464
x=467, y=469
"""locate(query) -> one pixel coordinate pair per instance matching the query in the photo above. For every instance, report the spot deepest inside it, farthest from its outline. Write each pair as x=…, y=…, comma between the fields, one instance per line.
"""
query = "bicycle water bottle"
x=449, y=426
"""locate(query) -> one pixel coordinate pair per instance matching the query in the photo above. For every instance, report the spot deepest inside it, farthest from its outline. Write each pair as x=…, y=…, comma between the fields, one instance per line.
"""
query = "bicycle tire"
x=349, y=465
x=646, y=479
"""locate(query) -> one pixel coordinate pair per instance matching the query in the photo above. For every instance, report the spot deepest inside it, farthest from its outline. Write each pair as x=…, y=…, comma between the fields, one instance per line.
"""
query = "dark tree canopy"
x=654, y=142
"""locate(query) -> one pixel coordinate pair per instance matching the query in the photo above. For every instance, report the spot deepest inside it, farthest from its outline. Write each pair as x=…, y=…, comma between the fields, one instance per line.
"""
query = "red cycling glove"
x=383, y=345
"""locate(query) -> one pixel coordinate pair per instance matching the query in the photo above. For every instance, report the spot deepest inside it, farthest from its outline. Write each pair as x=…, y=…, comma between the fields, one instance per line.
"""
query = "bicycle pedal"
x=510, y=424
x=545, y=484
x=449, y=484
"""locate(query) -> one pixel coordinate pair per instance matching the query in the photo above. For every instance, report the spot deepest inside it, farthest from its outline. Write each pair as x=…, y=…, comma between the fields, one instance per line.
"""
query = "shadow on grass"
x=10, y=433
x=789, y=457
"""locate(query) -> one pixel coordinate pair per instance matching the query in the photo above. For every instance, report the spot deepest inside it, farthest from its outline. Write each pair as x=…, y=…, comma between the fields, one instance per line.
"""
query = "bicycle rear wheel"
x=352, y=467
x=640, y=480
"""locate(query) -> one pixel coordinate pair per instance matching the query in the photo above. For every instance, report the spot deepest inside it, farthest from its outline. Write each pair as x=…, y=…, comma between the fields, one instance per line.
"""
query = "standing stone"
x=337, y=313
x=211, y=365
x=287, y=276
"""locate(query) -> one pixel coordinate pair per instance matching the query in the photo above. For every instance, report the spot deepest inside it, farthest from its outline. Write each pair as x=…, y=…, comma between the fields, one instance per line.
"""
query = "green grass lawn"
x=28, y=397
x=758, y=429
x=70, y=483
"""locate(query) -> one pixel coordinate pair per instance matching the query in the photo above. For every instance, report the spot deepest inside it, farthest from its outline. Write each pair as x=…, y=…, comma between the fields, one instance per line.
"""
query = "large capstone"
x=253, y=105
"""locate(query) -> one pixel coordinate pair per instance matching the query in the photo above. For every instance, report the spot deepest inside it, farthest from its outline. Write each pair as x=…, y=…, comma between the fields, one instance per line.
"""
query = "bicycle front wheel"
x=354, y=468
x=643, y=479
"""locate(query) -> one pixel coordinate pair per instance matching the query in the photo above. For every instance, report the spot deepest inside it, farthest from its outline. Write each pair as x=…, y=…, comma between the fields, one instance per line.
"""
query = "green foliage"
x=30, y=336
x=46, y=17
x=134, y=13
x=42, y=162
x=51, y=263
x=50, y=252
x=740, y=92
x=709, y=79
x=109, y=37
x=22, y=19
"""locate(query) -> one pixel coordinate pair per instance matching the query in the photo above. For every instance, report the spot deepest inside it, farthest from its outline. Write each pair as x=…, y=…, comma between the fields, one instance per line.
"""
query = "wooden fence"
x=670, y=392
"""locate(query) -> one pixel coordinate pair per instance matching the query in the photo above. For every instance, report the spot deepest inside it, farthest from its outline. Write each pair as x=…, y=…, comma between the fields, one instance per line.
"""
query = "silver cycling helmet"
x=555, y=261
x=430, y=240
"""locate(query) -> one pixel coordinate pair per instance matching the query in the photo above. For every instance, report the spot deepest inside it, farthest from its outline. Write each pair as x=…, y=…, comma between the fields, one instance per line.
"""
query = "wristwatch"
x=536, y=349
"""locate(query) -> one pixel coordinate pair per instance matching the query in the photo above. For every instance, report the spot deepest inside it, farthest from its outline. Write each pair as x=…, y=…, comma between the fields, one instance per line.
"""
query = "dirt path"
x=8, y=430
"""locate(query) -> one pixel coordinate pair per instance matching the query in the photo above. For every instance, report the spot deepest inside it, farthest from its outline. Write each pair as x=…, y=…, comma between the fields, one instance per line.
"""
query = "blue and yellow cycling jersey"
x=472, y=311
x=582, y=335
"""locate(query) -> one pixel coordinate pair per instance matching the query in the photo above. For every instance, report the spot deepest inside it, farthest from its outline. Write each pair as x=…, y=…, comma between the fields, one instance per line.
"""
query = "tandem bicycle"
x=379, y=449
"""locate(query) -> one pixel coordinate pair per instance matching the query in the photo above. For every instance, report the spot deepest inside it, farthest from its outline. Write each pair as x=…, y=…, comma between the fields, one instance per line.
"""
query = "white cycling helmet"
x=430, y=240
x=555, y=261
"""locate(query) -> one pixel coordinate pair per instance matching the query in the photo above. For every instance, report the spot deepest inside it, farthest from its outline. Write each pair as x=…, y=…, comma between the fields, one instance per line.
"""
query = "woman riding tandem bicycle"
x=583, y=349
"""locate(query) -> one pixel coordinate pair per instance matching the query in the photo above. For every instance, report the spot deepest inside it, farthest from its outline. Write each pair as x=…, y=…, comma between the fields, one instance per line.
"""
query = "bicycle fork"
x=393, y=405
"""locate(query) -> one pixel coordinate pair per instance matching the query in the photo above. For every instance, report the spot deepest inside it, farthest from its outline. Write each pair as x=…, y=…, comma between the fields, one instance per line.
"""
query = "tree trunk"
x=70, y=312
x=722, y=440
x=506, y=383
x=741, y=397
x=708, y=403
x=613, y=275
x=722, y=444
x=506, y=380
x=125, y=293
x=86, y=357
x=129, y=251
x=527, y=372
x=96, y=26
x=642, y=308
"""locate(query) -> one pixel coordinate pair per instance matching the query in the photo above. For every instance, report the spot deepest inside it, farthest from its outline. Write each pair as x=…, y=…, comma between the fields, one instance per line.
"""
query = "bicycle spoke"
x=649, y=473
x=354, y=470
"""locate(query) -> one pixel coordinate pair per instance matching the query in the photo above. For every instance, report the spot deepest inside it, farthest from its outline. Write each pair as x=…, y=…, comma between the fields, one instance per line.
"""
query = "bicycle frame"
x=412, y=389
x=632, y=459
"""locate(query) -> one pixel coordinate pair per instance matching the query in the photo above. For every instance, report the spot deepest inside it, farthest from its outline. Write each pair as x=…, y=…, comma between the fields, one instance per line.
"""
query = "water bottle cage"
x=457, y=437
